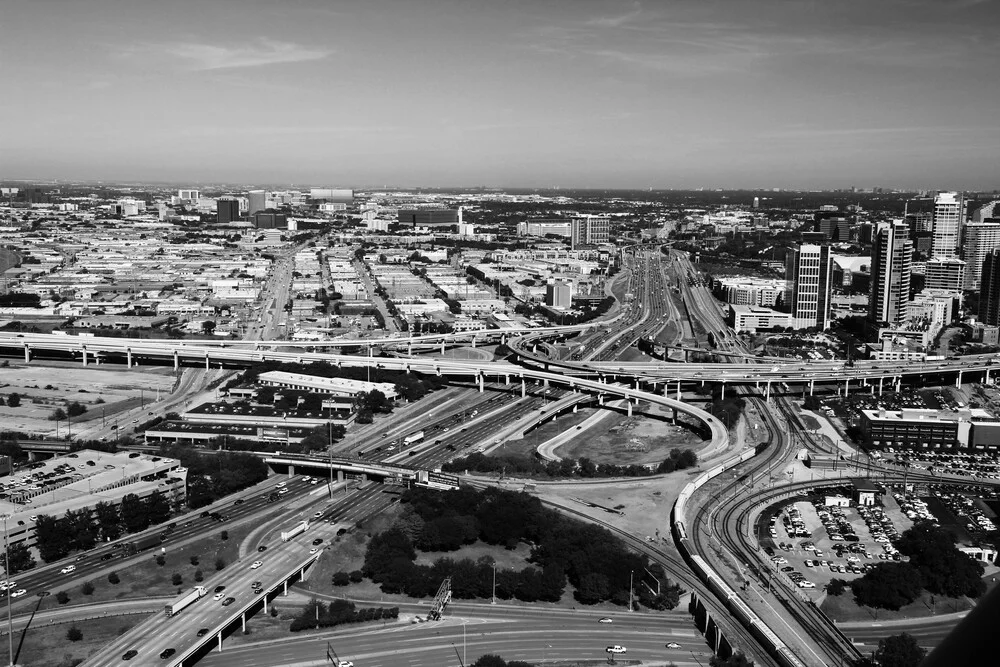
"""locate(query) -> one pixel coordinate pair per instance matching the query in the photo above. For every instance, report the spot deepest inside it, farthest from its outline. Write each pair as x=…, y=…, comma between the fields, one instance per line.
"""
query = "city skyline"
x=796, y=95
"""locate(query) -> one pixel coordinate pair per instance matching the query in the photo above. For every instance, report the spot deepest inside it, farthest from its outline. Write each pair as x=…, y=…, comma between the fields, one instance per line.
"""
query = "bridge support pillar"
x=628, y=401
x=265, y=603
x=723, y=394
x=177, y=360
x=409, y=349
x=506, y=379
x=291, y=471
x=675, y=416
x=27, y=353
x=243, y=620
x=32, y=456
x=812, y=386
x=678, y=390
x=128, y=357
x=442, y=347
x=880, y=386
x=285, y=585
x=83, y=349
x=340, y=476
x=575, y=406
x=364, y=477
x=473, y=342
x=987, y=379
x=767, y=391
x=302, y=574
x=600, y=399
x=545, y=383
x=219, y=637
x=666, y=390
x=847, y=387
x=206, y=362
x=524, y=389
x=958, y=380
x=481, y=383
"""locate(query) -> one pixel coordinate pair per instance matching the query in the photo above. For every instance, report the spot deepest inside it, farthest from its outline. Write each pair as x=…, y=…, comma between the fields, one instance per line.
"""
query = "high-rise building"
x=264, y=220
x=981, y=238
x=892, y=254
x=257, y=201
x=189, y=195
x=808, y=272
x=228, y=209
x=317, y=195
x=590, y=230
x=987, y=211
x=944, y=273
x=989, y=291
x=949, y=216
x=427, y=217
x=559, y=294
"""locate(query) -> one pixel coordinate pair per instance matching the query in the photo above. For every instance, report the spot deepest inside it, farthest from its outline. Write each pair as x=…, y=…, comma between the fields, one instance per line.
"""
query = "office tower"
x=892, y=254
x=189, y=195
x=944, y=273
x=947, y=225
x=756, y=202
x=984, y=213
x=542, y=227
x=558, y=294
x=808, y=271
x=981, y=238
x=590, y=230
x=228, y=209
x=989, y=291
x=257, y=201
x=836, y=229
x=332, y=195
x=270, y=220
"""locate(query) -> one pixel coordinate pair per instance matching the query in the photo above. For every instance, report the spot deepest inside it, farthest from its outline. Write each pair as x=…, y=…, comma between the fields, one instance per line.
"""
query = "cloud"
x=616, y=21
x=266, y=52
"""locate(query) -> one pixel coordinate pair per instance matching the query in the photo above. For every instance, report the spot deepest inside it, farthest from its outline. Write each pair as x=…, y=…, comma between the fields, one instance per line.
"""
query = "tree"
x=194, y=560
x=219, y=564
x=198, y=575
x=14, y=400
x=738, y=659
x=50, y=538
x=157, y=508
x=836, y=587
x=133, y=513
x=113, y=578
x=57, y=415
x=944, y=570
x=888, y=586
x=224, y=535
x=20, y=558
x=62, y=597
x=75, y=409
x=177, y=579
x=108, y=520
x=899, y=651
x=74, y=634
x=208, y=327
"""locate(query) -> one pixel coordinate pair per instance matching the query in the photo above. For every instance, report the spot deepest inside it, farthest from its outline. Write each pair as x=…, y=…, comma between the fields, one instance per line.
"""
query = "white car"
x=673, y=645
x=616, y=649
x=345, y=663
x=317, y=515
x=18, y=593
x=218, y=596
x=605, y=620
x=256, y=564
x=313, y=550
x=68, y=569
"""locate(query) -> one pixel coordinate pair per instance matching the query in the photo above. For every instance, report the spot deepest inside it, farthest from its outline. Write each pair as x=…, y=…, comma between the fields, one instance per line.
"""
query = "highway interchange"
x=457, y=425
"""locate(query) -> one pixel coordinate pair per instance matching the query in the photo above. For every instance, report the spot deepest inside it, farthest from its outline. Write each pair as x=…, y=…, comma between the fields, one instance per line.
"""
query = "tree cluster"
x=944, y=570
x=410, y=386
x=212, y=476
x=80, y=530
x=491, y=660
x=339, y=612
x=568, y=467
x=595, y=562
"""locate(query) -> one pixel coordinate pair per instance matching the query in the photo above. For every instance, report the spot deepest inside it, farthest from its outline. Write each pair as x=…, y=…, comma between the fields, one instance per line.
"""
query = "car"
x=18, y=593
x=261, y=548
x=68, y=569
x=345, y=663
x=228, y=601
x=604, y=620
x=313, y=550
x=219, y=589
x=219, y=596
x=673, y=645
x=239, y=502
x=318, y=540
x=203, y=632
x=258, y=591
x=166, y=653
x=616, y=649
x=256, y=564
x=317, y=515
x=129, y=654
x=256, y=584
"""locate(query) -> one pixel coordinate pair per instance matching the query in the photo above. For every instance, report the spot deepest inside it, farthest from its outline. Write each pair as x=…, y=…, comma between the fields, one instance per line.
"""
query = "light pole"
x=494, y=600
x=630, y=572
x=6, y=569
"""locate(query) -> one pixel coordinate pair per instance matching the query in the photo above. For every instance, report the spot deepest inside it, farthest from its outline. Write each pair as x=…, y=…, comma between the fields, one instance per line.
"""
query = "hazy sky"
x=571, y=93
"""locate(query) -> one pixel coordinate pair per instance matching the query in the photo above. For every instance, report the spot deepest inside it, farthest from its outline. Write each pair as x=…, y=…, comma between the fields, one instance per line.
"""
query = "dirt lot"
x=101, y=389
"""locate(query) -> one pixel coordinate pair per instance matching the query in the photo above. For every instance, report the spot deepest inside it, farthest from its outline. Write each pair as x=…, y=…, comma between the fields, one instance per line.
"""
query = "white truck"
x=184, y=600
x=300, y=527
x=413, y=438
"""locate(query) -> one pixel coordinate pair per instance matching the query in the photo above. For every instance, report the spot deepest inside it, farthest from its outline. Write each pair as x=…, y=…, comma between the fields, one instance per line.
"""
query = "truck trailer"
x=299, y=528
x=413, y=439
x=142, y=543
x=184, y=600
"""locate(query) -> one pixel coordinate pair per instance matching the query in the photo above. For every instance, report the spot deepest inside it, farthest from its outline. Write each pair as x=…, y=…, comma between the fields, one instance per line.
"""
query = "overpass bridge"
x=297, y=463
x=50, y=447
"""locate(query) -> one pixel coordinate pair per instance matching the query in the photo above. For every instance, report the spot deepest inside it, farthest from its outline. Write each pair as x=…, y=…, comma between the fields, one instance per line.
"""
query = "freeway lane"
x=160, y=632
x=525, y=633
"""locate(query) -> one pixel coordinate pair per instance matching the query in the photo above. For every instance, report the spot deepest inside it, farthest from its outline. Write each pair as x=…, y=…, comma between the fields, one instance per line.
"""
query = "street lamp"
x=6, y=569
x=494, y=600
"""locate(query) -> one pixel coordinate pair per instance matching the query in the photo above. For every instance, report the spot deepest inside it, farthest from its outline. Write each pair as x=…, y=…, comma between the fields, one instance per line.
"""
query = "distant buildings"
x=892, y=253
x=559, y=294
x=808, y=273
x=257, y=201
x=590, y=230
x=331, y=195
x=945, y=273
x=543, y=227
x=756, y=318
x=949, y=212
x=981, y=238
x=986, y=212
x=227, y=209
x=270, y=220
x=189, y=196
x=746, y=291
x=428, y=217
x=989, y=291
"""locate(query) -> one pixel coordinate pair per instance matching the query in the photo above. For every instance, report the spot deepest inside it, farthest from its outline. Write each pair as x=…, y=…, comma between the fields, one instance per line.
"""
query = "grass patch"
x=842, y=608
x=146, y=578
x=47, y=646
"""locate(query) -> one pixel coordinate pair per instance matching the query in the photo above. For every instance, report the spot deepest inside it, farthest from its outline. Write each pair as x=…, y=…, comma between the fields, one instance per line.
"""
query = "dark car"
x=318, y=540
x=167, y=652
x=107, y=556
x=219, y=589
x=262, y=548
x=228, y=601
x=203, y=632
x=204, y=514
x=239, y=502
x=129, y=654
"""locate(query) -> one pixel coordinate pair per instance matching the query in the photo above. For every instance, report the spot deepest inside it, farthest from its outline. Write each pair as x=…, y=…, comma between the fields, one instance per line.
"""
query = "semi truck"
x=142, y=543
x=413, y=438
x=299, y=528
x=184, y=600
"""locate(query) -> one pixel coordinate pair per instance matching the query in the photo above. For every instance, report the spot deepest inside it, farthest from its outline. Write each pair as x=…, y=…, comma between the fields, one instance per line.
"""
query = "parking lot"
x=813, y=542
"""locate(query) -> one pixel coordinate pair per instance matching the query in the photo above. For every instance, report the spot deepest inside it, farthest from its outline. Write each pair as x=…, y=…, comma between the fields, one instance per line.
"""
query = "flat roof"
x=73, y=482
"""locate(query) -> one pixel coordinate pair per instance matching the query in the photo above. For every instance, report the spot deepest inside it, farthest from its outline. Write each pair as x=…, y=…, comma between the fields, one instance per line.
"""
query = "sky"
x=810, y=94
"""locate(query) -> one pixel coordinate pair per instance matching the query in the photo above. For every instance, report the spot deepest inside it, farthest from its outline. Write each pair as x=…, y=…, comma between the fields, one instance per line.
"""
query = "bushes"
x=584, y=467
x=74, y=634
x=317, y=615
x=341, y=579
x=219, y=564
x=177, y=579
x=87, y=588
x=113, y=578
x=62, y=597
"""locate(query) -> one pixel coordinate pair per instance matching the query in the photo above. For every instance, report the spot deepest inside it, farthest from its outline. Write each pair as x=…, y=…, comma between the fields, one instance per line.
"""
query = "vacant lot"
x=47, y=646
